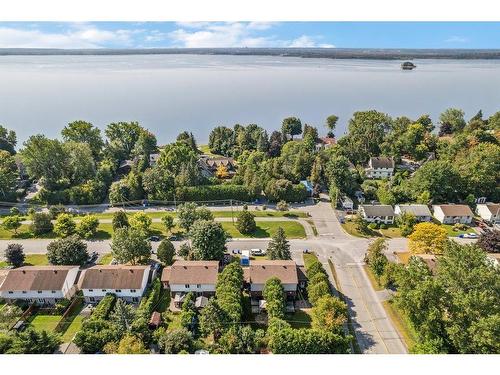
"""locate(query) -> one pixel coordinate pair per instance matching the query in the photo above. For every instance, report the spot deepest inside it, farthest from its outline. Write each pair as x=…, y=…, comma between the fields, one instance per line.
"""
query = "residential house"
x=347, y=203
x=420, y=211
x=453, y=213
x=209, y=165
x=380, y=167
x=258, y=272
x=489, y=212
x=194, y=276
x=126, y=282
x=41, y=285
x=325, y=142
x=381, y=213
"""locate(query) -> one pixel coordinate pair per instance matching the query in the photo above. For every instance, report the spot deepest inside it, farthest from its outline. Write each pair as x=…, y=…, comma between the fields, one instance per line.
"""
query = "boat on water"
x=408, y=65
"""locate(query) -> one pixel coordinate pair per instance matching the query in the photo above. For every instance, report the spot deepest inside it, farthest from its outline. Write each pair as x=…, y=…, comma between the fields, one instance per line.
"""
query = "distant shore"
x=329, y=53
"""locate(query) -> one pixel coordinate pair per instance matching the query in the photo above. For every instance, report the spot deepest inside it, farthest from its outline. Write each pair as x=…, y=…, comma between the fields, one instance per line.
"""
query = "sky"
x=250, y=34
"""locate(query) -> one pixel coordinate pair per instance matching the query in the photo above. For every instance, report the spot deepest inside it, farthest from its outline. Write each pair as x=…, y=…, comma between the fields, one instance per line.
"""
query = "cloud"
x=76, y=36
x=236, y=34
x=457, y=39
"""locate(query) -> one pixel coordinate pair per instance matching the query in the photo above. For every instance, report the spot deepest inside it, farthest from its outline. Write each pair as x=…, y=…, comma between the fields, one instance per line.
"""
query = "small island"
x=408, y=65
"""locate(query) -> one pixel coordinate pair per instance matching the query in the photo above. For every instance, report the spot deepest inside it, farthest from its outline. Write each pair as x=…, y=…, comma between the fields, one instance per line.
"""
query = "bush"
x=104, y=307
x=246, y=222
x=14, y=254
x=175, y=341
x=41, y=223
x=282, y=206
x=458, y=226
x=214, y=192
x=65, y=225
x=383, y=226
x=62, y=305
x=373, y=226
x=120, y=220
x=14, y=211
x=87, y=228
x=278, y=190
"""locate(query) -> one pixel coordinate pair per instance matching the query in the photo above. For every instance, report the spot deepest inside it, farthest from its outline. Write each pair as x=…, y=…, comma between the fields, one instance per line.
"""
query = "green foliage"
x=246, y=222
x=375, y=257
x=14, y=254
x=175, y=341
x=95, y=334
x=188, y=213
x=8, y=175
x=274, y=294
x=228, y=291
x=215, y=192
x=67, y=251
x=141, y=222
x=316, y=291
x=31, y=341
x=213, y=320
x=168, y=222
x=65, y=225
x=87, y=228
x=282, y=206
x=406, y=222
x=104, y=307
x=208, y=240
x=12, y=223
x=130, y=245
x=240, y=340
x=291, y=126
x=284, y=190
x=84, y=132
x=279, y=247
x=120, y=220
x=166, y=252
x=329, y=313
x=62, y=305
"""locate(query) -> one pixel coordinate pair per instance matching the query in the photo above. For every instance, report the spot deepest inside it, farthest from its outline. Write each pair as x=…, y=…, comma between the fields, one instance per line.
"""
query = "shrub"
x=41, y=223
x=120, y=220
x=282, y=206
x=141, y=221
x=459, y=226
x=104, y=307
x=62, y=305
x=383, y=226
x=14, y=254
x=87, y=228
x=65, y=225
x=373, y=226
x=14, y=211
x=246, y=222
x=214, y=192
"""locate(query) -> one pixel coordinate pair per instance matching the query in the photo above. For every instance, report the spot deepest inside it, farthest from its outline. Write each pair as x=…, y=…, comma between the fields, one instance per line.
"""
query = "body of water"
x=172, y=93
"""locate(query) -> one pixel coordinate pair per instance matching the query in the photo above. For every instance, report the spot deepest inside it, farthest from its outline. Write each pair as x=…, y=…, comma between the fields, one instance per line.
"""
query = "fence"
x=62, y=325
x=24, y=315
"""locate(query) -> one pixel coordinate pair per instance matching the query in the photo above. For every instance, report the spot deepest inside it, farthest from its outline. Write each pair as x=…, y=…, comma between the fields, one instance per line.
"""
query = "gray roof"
x=378, y=210
x=415, y=209
x=381, y=162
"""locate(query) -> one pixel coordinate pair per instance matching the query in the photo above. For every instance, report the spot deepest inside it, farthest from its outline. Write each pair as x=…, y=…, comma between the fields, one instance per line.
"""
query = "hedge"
x=214, y=192
x=104, y=307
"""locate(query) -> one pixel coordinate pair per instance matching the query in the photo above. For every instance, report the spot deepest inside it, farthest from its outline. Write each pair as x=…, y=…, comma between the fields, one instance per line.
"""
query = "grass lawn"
x=352, y=229
x=300, y=318
x=22, y=233
x=32, y=260
x=309, y=259
x=173, y=320
x=105, y=259
x=73, y=328
x=42, y=322
x=391, y=232
x=455, y=233
x=402, y=325
x=267, y=229
x=372, y=278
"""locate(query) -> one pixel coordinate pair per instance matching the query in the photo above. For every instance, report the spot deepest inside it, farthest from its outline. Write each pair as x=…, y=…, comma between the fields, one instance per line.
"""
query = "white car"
x=257, y=252
x=470, y=235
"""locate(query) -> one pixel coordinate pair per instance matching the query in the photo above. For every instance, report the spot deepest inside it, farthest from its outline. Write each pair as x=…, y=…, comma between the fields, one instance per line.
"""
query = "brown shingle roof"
x=381, y=162
x=494, y=208
x=191, y=272
x=113, y=277
x=261, y=271
x=36, y=278
x=456, y=210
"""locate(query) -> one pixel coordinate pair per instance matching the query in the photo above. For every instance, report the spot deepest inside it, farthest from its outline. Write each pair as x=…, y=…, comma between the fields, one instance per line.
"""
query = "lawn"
x=22, y=233
x=455, y=233
x=301, y=318
x=32, y=260
x=391, y=232
x=41, y=322
x=309, y=259
x=73, y=328
x=105, y=259
x=400, y=322
x=172, y=320
x=372, y=278
x=351, y=228
x=268, y=229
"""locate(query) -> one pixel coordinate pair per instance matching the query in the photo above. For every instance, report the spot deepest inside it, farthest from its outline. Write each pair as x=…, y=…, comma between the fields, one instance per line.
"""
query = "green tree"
x=65, y=225
x=67, y=251
x=279, y=247
x=188, y=213
x=274, y=294
x=427, y=238
x=331, y=123
x=141, y=221
x=95, y=334
x=41, y=223
x=406, y=222
x=84, y=132
x=291, y=126
x=80, y=164
x=131, y=344
x=228, y=291
x=240, y=340
x=12, y=223
x=329, y=313
x=32, y=341
x=208, y=240
x=14, y=254
x=87, y=228
x=122, y=137
x=168, y=222
x=8, y=175
x=221, y=141
x=120, y=220
x=166, y=252
x=453, y=119
x=175, y=341
x=8, y=140
x=246, y=222
x=317, y=290
x=375, y=257
x=130, y=245
x=213, y=320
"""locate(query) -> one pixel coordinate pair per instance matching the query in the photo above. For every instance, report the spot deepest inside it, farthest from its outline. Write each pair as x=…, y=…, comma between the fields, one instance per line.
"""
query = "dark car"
x=154, y=238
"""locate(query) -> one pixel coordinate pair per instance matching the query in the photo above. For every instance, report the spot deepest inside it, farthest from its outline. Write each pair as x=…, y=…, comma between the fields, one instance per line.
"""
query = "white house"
x=489, y=212
x=41, y=285
x=347, y=203
x=194, y=276
x=453, y=213
x=420, y=211
x=380, y=167
x=258, y=272
x=126, y=282
x=381, y=213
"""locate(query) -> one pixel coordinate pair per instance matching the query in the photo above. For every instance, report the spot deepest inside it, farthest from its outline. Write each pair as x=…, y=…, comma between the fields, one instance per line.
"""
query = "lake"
x=172, y=93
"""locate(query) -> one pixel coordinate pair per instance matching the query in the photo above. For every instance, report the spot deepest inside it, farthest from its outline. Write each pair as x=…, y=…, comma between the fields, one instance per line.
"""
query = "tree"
x=291, y=126
x=282, y=206
x=122, y=137
x=8, y=175
x=274, y=294
x=375, y=257
x=8, y=140
x=84, y=132
x=12, y=223
x=120, y=220
x=41, y=223
x=240, y=340
x=331, y=123
x=80, y=164
x=246, y=222
x=131, y=344
x=361, y=224
x=65, y=225
x=130, y=245
x=14, y=254
x=188, y=138
x=329, y=313
x=317, y=290
x=184, y=251
x=168, y=222
x=453, y=119
x=208, y=240
x=175, y=341
x=141, y=221
x=122, y=315
x=67, y=251
x=166, y=252
x=427, y=238
x=221, y=141
x=188, y=213
x=406, y=222
x=489, y=241
x=87, y=228
x=279, y=247
x=32, y=341
x=228, y=291
x=189, y=314
x=213, y=320
x=95, y=334
x=275, y=144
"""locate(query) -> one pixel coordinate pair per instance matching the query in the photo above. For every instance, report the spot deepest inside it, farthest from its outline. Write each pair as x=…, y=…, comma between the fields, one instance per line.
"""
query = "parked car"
x=93, y=257
x=258, y=252
x=468, y=235
x=154, y=238
x=305, y=251
x=173, y=238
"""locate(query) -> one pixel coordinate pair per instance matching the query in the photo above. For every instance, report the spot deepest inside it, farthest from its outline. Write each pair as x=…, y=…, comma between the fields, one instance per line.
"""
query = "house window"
x=91, y=290
x=132, y=290
x=103, y=290
x=118, y=290
x=53, y=292
x=198, y=286
x=135, y=299
x=11, y=292
x=39, y=292
x=186, y=286
x=92, y=299
x=24, y=292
